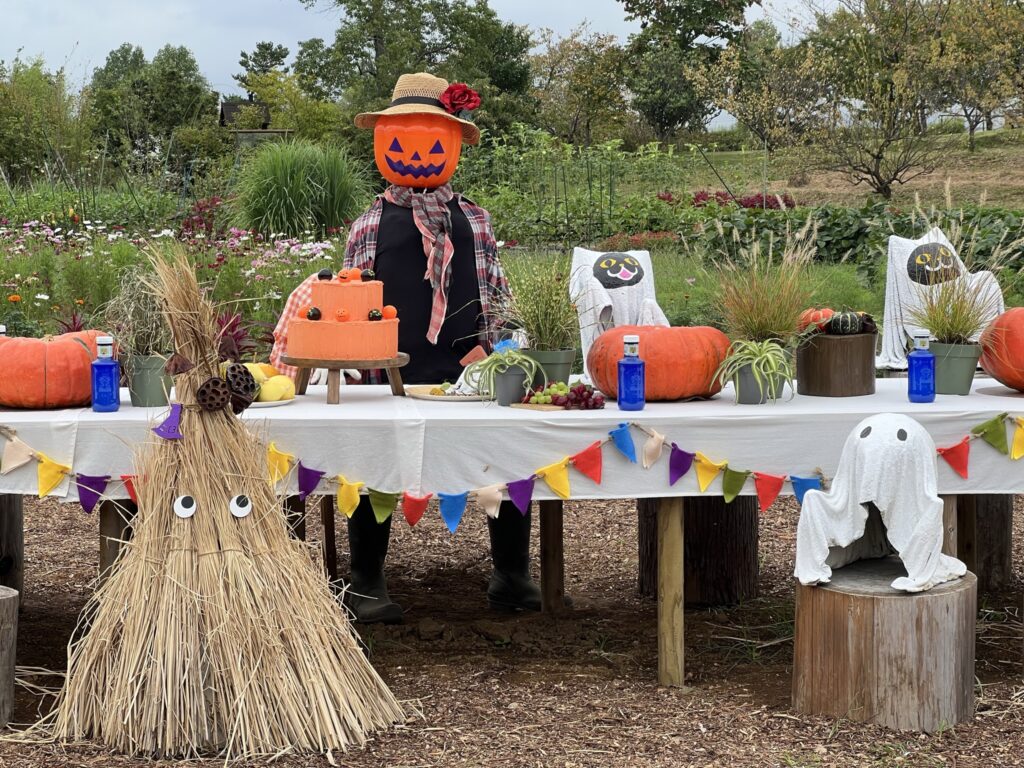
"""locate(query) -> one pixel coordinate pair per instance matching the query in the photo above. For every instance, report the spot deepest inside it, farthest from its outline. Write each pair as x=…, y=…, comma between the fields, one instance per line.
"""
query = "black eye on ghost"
x=617, y=270
x=932, y=263
x=901, y=434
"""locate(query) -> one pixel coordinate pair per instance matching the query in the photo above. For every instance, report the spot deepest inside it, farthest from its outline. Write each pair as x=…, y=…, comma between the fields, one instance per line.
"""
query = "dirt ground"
x=491, y=690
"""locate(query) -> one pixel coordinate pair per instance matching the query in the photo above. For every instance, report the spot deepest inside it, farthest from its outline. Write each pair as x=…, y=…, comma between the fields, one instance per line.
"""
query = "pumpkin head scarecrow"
x=436, y=254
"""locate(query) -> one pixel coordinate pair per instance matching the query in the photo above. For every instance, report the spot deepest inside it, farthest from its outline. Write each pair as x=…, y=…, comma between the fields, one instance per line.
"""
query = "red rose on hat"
x=459, y=97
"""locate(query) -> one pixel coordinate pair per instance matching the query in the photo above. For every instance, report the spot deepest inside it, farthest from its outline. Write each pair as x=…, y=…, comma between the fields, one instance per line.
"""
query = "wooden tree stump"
x=8, y=646
x=866, y=652
x=720, y=565
x=12, y=543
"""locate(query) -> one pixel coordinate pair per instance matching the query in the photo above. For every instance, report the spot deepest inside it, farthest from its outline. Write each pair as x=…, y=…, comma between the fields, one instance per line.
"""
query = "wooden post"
x=552, y=558
x=329, y=544
x=670, y=592
x=985, y=538
x=8, y=648
x=949, y=525
x=115, y=529
x=12, y=543
x=295, y=511
x=866, y=652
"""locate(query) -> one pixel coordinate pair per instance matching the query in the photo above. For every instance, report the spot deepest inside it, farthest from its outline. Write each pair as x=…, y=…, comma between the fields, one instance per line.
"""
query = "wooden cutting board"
x=537, y=407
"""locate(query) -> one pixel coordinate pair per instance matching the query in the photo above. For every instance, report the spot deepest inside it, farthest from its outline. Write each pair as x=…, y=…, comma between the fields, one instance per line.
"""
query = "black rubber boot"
x=367, y=594
x=511, y=588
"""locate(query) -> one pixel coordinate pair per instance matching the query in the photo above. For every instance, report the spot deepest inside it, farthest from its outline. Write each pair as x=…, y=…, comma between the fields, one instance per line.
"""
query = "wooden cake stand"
x=335, y=367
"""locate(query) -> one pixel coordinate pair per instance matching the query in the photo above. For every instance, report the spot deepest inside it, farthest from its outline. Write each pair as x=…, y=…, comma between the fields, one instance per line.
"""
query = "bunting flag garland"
x=90, y=489
x=590, y=461
x=50, y=473
x=957, y=456
x=1018, y=439
x=490, y=499
x=521, y=493
x=993, y=432
x=129, y=485
x=768, y=488
x=802, y=485
x=453, y=506
x=170, y=428
x=679, y=463
x=413, y=507
x=707, y=470
x=383, y=504
x=309, y=479
x=279, y=463
x=16, y=454
x=652, y=449
x=623, y=440
x=732, y=482
x=557, y=477
x=348, y=496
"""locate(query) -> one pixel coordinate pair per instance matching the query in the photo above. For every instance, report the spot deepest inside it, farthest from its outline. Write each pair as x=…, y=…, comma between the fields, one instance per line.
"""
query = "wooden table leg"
x=12, y=544
x=552, y=558
x=333, y=386
x=295, y=511
x=329, y=544
x=670, y=592
x=302, y=380
x=949, y=526
x=395, y=380
x=115, y=529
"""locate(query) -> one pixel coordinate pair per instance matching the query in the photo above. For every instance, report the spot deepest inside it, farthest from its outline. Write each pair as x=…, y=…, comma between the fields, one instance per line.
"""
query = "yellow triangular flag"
x=1018, y=439
x=707, y=470
x=652, y=449
x=16, y=454
x=278, y=463
x=557, y=477
x=490, y=498
x=50, y=473
x=348, y=496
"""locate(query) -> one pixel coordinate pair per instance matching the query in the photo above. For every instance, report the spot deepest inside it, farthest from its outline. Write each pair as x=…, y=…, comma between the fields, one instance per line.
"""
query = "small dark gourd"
x=367, y=274
x=375, y=314
x=213, y=394
x=313, y=313
x=844, y=324
x=325, y=274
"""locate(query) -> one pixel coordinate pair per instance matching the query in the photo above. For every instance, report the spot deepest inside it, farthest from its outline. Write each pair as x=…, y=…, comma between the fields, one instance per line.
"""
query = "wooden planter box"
x=836, y=366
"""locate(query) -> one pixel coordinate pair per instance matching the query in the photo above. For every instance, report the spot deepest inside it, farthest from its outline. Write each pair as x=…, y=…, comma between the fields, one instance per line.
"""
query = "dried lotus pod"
x=241, y=381
x=239, y=403
x=213, y=394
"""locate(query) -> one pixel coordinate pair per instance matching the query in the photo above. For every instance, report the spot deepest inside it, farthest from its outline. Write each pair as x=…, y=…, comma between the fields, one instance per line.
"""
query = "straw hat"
x=419, y=94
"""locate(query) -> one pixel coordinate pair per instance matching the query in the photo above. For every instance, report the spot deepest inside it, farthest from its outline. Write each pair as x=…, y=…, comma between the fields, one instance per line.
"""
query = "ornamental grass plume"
x=539, y=301
x=214, y=634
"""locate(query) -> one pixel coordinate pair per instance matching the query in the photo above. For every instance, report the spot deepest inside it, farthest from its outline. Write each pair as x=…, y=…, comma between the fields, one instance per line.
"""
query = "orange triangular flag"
x=129, y=485
x=768, y=488
x=589, y=461
x=957, y=456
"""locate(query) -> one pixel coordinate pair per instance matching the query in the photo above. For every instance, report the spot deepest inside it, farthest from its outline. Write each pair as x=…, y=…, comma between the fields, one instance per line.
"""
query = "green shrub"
x=947, y=126
x=296, y=187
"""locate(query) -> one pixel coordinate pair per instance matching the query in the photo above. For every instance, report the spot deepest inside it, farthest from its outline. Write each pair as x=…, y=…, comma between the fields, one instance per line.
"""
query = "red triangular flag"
x=957, y=456
x=413, y=507
x=589, y=462
x=768, y=488
x=129, y=485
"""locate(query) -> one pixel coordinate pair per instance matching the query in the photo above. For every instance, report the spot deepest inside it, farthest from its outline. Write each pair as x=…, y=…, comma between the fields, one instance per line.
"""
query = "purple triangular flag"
x=309, y=479
x=521, y=493
x=90, y=489
x=679, y=463
x=170, y=428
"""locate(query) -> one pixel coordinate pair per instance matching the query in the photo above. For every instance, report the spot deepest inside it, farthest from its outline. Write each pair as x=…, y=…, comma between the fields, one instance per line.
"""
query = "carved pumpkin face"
x=420, y=150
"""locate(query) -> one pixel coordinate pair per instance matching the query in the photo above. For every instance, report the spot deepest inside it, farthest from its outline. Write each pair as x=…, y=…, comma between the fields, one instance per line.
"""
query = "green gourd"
x=844, y=323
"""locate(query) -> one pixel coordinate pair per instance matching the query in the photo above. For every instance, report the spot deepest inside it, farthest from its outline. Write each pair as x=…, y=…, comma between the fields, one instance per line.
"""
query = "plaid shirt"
x=361, y=252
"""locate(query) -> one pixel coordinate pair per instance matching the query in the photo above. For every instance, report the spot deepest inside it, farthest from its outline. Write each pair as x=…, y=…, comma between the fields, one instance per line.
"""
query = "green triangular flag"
x=383, y=504
x=993, y=432
x=732, y=482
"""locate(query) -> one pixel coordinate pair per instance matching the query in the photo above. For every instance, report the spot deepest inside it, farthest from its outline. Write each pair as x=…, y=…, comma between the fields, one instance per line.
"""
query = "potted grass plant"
x=505, y=375
x=759, y=370
x=539, y=304
x=135, y=318
x=954, y=312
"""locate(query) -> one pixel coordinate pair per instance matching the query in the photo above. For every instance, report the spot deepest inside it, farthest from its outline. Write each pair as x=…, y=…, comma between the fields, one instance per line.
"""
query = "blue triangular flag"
x=624, y=441
x=802, y=485
x=453, y=505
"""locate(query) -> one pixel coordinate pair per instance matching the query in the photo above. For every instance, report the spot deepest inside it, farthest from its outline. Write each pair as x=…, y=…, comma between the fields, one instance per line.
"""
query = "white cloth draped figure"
x=888, y=462
x=914, y=267
x=612, y=289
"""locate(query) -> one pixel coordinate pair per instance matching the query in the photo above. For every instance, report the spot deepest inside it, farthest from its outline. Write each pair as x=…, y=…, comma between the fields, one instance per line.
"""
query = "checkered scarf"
x=434, y=221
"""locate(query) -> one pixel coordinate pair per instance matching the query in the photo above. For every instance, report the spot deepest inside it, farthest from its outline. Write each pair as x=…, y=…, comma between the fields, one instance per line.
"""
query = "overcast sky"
x=78, y=34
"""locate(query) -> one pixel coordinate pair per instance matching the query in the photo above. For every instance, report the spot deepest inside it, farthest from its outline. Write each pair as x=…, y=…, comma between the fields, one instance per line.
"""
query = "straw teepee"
x=214, y=634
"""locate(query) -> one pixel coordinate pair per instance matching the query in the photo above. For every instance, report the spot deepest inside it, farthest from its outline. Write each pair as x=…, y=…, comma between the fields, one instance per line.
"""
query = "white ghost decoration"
x=888, y=465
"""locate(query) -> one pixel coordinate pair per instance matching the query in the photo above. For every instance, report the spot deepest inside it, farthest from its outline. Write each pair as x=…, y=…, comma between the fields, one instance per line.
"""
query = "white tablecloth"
x=403, y=444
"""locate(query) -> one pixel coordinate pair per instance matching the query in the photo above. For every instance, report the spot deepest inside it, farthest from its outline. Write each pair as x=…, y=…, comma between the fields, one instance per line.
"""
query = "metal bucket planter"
x=510, y=386
x=747, y=390
x=955, y=365
x=556, y=365
x=148, y=384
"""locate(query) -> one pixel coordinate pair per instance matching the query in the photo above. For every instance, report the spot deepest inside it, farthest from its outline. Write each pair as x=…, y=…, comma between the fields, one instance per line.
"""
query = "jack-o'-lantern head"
x=417, y=140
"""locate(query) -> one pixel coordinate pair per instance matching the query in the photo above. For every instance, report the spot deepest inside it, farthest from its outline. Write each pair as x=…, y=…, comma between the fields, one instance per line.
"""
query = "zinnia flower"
x=14, y=298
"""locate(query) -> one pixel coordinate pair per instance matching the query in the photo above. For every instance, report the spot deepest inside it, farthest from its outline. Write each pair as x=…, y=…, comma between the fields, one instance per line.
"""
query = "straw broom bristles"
x=214, y=635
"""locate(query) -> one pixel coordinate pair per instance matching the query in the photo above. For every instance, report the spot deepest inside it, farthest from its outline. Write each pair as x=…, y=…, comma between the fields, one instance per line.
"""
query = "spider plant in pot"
x=955, y=312
x=759, y=370
x=540, y=305
x=504, y=375
x=135, y=318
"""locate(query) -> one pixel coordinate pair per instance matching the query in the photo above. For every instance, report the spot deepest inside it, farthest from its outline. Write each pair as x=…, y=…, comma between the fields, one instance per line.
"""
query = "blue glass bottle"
x=921, y=371
x=106, y=377
x=631, y=376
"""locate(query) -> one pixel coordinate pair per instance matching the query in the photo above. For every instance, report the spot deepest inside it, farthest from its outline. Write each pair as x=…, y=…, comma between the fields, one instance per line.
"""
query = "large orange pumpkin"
x=680, y=362
x=1002, y=348
x=418, y=150
x=54, y=372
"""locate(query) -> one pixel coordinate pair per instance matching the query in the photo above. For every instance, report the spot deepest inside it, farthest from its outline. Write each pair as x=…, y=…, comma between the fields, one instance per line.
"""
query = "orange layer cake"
x=358, y=298
x=351, y=340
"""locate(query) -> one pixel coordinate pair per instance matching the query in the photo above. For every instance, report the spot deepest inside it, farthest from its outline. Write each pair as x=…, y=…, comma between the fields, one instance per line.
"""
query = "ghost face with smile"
x=617, y=270
x=417, y=150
